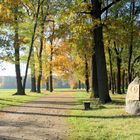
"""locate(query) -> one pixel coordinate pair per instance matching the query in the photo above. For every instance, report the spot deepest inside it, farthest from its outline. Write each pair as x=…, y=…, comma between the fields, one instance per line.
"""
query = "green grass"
x=7, y=99
x=103, y=122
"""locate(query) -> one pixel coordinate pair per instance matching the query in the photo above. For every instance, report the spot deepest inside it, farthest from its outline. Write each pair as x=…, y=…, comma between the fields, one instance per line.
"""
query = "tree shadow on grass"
x=56, y=102
x=118, y=102
x=70, y=116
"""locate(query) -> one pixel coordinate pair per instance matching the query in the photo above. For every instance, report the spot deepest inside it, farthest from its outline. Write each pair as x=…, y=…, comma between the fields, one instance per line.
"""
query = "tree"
x=20, y=90
x=43, y=20
x=32, y=43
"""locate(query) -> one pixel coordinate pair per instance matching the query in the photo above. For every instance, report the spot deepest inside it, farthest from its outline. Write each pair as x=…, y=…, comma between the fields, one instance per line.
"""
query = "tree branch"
x=110, y=5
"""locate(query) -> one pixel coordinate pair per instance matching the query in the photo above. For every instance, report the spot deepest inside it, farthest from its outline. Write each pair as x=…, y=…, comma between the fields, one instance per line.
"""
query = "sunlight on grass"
x=103, y=122
x=7, y=98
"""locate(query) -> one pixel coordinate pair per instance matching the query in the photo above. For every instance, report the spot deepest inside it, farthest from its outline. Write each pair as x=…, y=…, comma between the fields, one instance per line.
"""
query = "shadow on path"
x=56, y=102
x=70, y=116
x=10, y=138
x=59, y=108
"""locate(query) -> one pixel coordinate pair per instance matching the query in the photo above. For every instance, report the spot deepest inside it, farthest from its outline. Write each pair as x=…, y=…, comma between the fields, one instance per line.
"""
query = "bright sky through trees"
x=8, y=69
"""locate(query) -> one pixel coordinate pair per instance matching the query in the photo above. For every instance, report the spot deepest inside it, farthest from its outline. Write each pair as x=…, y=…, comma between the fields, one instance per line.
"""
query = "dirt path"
x=39, y=120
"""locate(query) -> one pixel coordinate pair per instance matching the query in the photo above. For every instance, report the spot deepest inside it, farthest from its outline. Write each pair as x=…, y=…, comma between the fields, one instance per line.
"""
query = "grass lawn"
x=7, y=99
x=103, y=122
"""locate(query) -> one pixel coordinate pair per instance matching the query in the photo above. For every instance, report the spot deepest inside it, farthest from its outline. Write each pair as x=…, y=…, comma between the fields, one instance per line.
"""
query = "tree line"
x=95, y=42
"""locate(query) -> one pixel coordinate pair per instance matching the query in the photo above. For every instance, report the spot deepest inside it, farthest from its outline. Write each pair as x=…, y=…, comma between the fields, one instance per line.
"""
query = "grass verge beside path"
x=7, y=99
x=103, y=122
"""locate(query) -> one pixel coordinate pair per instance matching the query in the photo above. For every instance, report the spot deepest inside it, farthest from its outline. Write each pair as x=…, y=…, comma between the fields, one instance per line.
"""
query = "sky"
x=7, y=69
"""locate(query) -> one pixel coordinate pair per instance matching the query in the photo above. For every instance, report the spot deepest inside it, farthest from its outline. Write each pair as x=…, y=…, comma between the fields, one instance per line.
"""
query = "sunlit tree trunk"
x=51, y=58
x=33, y=77
x=20, y=90
x=33, y=81
x=32, y=44
x=40, y=53
x=51, y=76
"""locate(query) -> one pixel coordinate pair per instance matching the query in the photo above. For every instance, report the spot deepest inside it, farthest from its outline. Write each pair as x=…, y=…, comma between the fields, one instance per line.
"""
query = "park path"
x=42, y=119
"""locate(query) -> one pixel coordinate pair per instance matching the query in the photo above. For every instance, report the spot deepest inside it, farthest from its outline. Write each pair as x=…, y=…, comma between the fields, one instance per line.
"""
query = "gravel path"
x=42, y=119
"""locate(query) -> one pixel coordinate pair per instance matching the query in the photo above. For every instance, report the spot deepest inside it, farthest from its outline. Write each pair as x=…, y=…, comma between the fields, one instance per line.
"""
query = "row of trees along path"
x=68, y=38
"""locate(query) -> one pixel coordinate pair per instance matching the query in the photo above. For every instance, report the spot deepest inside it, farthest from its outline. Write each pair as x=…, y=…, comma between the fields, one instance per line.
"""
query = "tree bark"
x=51, y=81
x=32, y=44
x=94, y=82
x=40, y=53
x=33, y=78
x=47, y=84
x=114, y=83
x=51, y=76
x=86, y=75
x=132, y=13
x=123, y=81
x=20, y=90
x=118, y=75
x=118, y=60
x=101, y=65
x=51, y=58
x=111, y=72
x=33, y=81
x=100, y=55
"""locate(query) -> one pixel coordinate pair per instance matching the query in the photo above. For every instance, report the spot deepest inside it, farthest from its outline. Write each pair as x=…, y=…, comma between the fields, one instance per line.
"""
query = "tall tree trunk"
x=32, y=44
x=79, y=84
x=51, y=58
x=130, y=52
x=123, y=81
x=111, y=72
x=33, y=81
x=118, y=75
x=51, y=81
x=33, y=78
x=114, y=83
x=47, y=84
x=100, y=54
x=101, y=65
x=86, y=75
x=51, y=76
x=20, y=90
x=40, y=53
x=94, y=81
x=118, y=60
x=109, y=82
